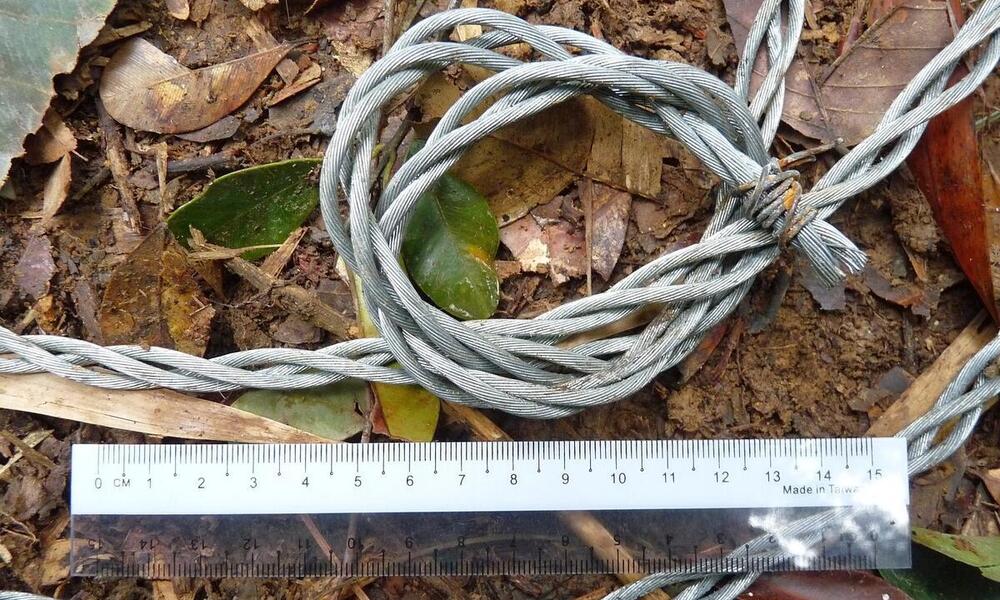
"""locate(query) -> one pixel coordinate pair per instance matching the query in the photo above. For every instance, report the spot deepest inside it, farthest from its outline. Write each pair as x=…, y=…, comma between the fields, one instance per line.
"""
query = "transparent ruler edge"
x=228, y=479
x=584, y=560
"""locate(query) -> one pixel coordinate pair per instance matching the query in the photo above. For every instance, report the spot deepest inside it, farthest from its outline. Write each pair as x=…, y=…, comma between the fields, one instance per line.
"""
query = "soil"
x=787, y=365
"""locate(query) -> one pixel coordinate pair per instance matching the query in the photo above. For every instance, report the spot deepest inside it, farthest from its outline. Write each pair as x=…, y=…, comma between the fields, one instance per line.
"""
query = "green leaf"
x=449, y=246
x=973, y=550
x=935, y=577
x=258, y=206
x=38, y=40
x=329, y=411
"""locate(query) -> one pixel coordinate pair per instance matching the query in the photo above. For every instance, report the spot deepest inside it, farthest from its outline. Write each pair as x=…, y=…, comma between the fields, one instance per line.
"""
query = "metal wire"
x=516, y=365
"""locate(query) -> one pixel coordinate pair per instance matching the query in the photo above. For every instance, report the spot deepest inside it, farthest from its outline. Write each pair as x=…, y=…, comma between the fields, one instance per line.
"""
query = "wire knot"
x=773, y=201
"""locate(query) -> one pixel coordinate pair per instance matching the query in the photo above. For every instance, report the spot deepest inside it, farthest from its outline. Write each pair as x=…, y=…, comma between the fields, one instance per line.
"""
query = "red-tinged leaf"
x=948, y=171
x=703, y=351
x=823, y=585
x=947, y=168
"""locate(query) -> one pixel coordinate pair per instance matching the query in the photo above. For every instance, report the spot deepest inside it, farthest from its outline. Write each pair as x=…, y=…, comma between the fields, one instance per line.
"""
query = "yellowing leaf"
x=153, y=299
x=146, y=89
x=410, y=412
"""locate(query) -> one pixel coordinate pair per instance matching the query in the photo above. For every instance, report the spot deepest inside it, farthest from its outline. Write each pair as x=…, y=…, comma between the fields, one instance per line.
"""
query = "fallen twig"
x=114, y=149
x=292, y=298
x=220, y=161
x=27, y=450
x=388, y=25
x=154, y=412
x=31, y=440
x=925, y=389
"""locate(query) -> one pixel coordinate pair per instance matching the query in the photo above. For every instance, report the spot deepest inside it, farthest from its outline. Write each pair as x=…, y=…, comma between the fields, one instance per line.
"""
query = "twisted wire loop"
x=517, y=365
x=775, y=195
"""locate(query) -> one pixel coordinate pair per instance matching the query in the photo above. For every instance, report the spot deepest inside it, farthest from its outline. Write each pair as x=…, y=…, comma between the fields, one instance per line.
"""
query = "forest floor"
x=796, y=361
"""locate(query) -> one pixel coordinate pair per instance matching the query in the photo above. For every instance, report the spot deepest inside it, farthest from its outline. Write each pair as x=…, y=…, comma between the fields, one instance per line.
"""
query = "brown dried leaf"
x=918, y=299
x=864, y=81
x=56, y=189
x=946, y=165
x=50, y=143
x=35, y=269
x=306, y=80
x=153, y=299
x=554, y=248
x=512, y=180
x=179, y=9
x=851, y=99
x=287, y=70
x=529, y=162
x=523, y=165
x=108, y=35
x=155, y=412
x=655, y=219
x=610, y=213
x=622, y=153
x=149, y=90
x=801, y=110
x=992, y=480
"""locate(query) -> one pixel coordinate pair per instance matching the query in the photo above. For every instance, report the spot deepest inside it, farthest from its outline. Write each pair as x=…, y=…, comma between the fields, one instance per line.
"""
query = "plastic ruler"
x=284, y=510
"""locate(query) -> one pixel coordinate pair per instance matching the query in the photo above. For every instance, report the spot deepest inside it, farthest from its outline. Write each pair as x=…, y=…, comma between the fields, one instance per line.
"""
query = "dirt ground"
x=785, y=366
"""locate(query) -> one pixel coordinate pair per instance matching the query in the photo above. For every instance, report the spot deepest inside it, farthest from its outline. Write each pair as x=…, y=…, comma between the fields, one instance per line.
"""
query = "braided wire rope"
x=516, y=365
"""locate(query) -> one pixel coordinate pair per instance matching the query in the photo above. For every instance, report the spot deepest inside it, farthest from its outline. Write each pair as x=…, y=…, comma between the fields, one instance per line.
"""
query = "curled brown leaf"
x=147, y=89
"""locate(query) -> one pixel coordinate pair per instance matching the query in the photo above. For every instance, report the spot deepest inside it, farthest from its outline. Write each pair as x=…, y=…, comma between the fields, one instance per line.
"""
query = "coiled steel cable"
x=515, y=365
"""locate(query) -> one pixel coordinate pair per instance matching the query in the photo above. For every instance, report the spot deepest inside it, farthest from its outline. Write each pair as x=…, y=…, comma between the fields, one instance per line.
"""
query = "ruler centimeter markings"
x=482, y=507
x=457, y=477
